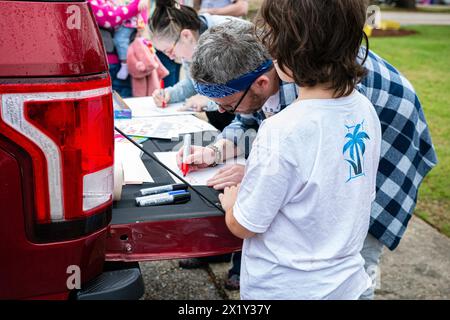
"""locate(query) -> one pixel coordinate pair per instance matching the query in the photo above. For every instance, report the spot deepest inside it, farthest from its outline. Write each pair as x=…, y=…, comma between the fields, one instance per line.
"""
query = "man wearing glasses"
x=249, y=88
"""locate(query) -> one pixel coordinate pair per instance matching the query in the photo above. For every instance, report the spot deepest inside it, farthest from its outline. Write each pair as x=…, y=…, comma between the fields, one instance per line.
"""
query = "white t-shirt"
x=308, y=199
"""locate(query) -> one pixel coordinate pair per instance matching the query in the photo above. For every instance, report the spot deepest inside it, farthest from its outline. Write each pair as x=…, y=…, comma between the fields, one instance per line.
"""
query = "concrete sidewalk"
x=418, y=269
x=409, y=18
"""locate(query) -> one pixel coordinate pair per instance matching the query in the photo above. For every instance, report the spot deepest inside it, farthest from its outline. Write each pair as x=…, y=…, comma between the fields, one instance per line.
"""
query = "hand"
x=228, y=197
x=158, y=97
x=140, y=66
x=143, y=4
x=199, y=158
x=228, y=176
x=196, y=103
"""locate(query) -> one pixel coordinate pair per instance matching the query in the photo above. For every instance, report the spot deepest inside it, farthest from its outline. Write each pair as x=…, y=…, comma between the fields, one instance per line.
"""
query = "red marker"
x=186, y=153
x=163, y=94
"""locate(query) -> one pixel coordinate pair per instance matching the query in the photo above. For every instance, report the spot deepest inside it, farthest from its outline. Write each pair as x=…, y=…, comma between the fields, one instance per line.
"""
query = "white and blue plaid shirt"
x=407, y=152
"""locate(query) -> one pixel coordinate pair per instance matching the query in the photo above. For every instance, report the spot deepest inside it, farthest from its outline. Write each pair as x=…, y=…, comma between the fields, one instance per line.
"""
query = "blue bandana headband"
x=212, y=90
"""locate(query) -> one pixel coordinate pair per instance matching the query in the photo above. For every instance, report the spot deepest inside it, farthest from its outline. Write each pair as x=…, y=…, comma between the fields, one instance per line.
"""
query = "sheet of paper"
x=134, y=170
x=163, y=127
x=146, y=107
x=196, y=178
x=119, y=138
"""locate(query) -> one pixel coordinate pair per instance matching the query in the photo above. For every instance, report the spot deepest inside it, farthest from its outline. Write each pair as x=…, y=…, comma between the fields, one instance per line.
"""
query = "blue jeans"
x=123, y=87
x=234, y=257
x=122, y=41
x=371, y=252
x=172, y=66
x=236, y=264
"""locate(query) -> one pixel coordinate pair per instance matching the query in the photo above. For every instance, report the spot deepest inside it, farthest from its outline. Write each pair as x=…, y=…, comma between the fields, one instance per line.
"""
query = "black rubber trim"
x=120, y=282
x=72, y=229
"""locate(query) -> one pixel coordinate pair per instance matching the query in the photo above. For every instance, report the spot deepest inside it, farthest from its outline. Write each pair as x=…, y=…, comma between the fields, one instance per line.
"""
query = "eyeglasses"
x=172, y=49
x=231, y=109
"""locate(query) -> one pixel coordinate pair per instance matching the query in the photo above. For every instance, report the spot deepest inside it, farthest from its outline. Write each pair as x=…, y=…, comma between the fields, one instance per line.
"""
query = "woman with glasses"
x=175, y=32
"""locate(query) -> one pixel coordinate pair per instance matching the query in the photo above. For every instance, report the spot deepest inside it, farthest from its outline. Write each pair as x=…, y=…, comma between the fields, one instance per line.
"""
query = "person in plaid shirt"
x=407, y=152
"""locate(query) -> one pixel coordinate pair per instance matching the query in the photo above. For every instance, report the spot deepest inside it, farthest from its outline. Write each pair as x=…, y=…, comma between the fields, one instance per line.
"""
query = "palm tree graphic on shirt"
x=356, y=148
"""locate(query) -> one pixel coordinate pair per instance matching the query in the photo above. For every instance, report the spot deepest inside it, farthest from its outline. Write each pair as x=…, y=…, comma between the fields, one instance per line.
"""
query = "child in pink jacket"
x=145, y=68
x=126, y=16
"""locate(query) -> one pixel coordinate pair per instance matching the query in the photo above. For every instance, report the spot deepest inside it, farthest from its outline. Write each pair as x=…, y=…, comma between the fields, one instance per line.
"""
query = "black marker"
x=161, y=189
x=159, y=195
x=166, y=199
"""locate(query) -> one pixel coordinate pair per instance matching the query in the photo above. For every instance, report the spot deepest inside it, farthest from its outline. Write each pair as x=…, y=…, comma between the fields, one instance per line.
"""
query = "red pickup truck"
x=57, y=218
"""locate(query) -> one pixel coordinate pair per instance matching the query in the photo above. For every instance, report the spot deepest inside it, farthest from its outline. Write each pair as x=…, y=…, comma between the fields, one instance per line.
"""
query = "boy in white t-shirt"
x=303, y=207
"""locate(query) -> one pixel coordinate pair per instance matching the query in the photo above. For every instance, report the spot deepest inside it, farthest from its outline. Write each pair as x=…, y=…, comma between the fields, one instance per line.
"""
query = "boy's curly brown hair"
x=318, y=40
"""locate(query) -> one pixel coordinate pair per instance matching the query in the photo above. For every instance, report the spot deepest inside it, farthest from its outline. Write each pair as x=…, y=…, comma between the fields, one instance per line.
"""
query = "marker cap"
x=181, y=198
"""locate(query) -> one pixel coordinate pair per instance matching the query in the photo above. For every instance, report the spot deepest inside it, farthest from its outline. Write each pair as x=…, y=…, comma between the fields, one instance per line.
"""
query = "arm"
x=234, y=226
x=184, y=89
x=181, y=91
x=237, y=9
x=228, y=199
x=106, y=14
x=235, y=134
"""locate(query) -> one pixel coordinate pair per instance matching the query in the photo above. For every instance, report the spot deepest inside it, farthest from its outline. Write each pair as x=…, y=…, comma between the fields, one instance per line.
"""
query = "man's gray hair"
x=226, y=52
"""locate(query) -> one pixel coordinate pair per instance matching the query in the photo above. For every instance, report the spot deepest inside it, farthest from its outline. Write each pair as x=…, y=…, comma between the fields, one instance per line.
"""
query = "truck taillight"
x=67, y=129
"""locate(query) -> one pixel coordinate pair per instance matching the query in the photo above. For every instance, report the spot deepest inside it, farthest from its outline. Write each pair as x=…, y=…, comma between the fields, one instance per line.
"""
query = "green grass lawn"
x=424, y=59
